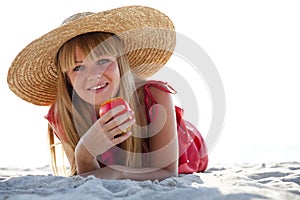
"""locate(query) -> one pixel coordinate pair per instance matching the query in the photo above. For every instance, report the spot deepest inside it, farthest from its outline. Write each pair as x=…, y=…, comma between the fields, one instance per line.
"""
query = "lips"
x=98, y=87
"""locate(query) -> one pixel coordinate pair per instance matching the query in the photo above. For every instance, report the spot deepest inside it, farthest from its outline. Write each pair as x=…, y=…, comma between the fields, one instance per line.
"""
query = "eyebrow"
x=78, y=61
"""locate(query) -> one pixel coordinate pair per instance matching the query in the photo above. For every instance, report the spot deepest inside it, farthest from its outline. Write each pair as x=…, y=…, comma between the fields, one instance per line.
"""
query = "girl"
x=94, y=63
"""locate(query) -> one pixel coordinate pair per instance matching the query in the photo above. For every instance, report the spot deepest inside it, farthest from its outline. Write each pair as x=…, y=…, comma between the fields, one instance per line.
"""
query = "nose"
x=95, y=72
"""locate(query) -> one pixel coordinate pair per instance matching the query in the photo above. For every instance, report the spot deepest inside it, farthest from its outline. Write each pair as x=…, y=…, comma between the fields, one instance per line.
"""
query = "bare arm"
x=163, y=147
x=118, y=172
x=164, y=142
x=92, y=167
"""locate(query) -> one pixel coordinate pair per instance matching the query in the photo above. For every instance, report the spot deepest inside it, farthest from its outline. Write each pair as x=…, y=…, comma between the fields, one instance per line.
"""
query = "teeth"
x=98, y=87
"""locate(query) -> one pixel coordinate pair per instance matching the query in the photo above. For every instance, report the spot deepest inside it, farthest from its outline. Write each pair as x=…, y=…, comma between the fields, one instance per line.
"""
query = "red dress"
x=192, y=149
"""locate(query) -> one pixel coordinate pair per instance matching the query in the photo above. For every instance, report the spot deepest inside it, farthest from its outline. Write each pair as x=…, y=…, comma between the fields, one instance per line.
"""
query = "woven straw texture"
x=148, y=35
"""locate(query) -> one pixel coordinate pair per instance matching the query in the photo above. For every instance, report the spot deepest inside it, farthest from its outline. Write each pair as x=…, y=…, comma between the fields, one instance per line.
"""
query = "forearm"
x=85, y=162
x=141, y=174
x=123, y=172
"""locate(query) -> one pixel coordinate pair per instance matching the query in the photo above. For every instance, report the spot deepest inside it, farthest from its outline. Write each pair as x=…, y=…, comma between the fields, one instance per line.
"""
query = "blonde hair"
x=77, y=116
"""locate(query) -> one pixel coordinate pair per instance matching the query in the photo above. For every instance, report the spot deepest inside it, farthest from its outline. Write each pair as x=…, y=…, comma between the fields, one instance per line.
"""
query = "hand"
x=102, y=135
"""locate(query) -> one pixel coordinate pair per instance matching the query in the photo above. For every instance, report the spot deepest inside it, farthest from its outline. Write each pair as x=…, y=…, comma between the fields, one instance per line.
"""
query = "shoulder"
x=160, y=93
x=164, y=86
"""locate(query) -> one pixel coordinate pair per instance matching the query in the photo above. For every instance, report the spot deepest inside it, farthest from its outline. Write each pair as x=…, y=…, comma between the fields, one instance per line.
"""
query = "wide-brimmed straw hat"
x=148, y=36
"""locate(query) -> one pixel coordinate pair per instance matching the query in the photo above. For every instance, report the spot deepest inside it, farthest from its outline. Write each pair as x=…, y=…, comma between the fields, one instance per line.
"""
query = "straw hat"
x=148, y=35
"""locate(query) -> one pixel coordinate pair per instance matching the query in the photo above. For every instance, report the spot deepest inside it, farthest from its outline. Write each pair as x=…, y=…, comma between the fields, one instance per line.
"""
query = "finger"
x=117, y=121
x=111, y=113
x=118, y=126
x=121, y=138
x=122, y=128
x=118, y=129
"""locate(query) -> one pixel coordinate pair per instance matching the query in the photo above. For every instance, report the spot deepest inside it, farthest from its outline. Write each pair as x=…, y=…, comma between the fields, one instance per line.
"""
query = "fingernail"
x=121, y=107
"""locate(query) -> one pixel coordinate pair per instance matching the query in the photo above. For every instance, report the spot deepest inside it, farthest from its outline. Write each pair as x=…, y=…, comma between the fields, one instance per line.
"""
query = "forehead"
x=79, y=55
x=82, y=56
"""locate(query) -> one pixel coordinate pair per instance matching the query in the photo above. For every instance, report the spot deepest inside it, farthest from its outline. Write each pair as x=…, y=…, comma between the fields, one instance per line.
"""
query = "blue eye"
x=79, y=68
x=103, y=61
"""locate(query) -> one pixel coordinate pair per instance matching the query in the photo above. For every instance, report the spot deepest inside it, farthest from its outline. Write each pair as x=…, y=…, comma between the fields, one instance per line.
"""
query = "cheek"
x=75, y=81
x=113, y=71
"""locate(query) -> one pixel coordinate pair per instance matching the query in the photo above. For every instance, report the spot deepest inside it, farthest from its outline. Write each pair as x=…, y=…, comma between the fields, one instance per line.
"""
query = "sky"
x=254, y=47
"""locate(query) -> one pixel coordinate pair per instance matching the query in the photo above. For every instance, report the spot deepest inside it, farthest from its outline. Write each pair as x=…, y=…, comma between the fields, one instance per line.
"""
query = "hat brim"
x=148, y=35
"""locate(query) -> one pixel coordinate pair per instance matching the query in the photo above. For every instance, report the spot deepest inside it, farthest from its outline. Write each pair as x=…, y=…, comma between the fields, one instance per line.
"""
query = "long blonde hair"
x=77, y=116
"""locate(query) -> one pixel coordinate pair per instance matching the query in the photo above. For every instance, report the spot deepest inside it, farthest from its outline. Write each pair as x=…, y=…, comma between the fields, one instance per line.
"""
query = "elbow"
x=168, y=173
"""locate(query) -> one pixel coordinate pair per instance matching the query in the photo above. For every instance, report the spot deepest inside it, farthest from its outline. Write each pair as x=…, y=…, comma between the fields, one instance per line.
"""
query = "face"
x=94, y=80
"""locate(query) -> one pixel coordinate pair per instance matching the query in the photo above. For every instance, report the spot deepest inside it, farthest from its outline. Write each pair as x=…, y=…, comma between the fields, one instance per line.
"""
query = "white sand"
x=240, y=181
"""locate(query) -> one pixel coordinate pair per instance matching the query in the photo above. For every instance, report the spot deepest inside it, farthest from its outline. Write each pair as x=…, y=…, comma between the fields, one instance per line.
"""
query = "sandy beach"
x=232, y=181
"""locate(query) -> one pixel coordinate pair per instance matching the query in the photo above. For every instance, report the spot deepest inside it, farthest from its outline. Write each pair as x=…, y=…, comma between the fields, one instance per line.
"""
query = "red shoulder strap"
x=54, y=121
x=149, y=100
x=50, y=115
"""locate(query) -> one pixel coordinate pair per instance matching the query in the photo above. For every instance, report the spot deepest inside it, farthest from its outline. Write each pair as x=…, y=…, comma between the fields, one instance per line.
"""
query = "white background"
x=255, y=46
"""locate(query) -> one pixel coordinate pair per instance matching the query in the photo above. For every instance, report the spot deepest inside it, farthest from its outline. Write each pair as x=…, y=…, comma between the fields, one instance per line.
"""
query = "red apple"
x=112, y=103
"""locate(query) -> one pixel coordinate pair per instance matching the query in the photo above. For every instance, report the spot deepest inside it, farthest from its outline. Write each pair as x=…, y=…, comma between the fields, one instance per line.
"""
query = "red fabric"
x=192, y=149
x=54, y=121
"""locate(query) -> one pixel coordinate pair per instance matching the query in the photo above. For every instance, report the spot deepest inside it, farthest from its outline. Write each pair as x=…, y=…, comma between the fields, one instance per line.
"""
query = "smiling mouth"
x=98, y=87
